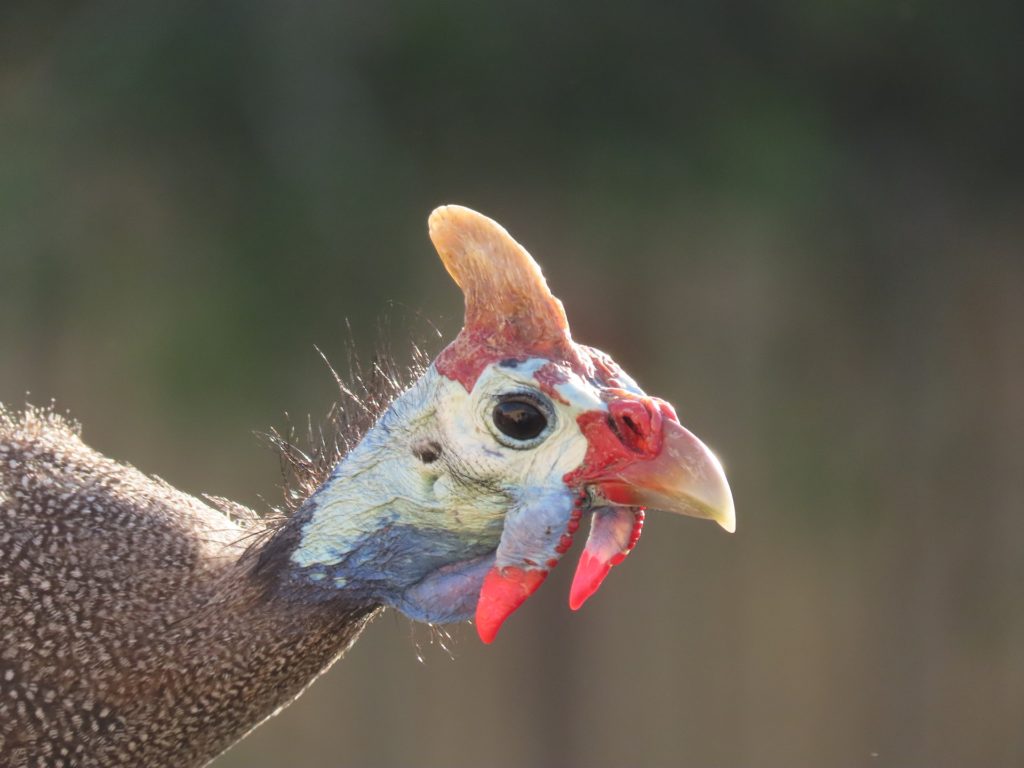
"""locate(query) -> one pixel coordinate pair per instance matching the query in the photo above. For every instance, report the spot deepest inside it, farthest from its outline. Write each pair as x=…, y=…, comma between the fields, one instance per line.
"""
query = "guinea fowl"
x=142, y=627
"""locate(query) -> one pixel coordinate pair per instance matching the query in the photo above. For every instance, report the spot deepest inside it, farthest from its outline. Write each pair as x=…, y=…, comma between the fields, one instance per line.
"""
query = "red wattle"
x=504, y=590
x=590, y=572
x=614, y=531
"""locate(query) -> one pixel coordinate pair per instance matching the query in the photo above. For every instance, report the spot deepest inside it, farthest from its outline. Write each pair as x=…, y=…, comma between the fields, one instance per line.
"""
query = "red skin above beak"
x=641, y=457
x=638, y=456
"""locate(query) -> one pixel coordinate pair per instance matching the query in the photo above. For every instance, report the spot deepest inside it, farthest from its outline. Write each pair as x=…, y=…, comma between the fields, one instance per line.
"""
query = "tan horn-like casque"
x=508, y=303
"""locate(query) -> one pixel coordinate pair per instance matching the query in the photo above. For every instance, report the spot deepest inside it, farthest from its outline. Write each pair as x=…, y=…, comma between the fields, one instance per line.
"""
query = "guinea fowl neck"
x=353, y=539
x=242, y=654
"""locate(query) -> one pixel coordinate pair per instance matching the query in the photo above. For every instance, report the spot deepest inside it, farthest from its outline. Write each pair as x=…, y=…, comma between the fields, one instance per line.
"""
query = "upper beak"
x=638, y=457
x=684, y=477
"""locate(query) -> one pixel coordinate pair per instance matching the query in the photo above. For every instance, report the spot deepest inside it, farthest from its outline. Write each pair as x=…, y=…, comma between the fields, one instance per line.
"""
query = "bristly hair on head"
x=308, y=454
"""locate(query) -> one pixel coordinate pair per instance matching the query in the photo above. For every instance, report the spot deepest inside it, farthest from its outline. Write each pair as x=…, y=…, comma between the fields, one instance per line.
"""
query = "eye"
x=520, y=419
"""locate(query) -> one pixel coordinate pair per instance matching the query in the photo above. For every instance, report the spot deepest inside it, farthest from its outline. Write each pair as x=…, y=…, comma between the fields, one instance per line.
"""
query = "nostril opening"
x=631, y=425
x=637, y=424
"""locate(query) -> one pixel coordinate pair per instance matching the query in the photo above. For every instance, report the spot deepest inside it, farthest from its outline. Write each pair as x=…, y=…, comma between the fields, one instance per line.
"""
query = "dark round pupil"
x=519, y=420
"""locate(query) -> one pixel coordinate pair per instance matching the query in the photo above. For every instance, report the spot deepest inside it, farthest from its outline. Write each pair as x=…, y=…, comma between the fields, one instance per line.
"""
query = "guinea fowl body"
x=141, y=627
x=134, y=632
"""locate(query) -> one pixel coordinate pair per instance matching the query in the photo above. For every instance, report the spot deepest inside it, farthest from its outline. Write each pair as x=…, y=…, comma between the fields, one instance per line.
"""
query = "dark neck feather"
x=143, y=634
x=245, y=654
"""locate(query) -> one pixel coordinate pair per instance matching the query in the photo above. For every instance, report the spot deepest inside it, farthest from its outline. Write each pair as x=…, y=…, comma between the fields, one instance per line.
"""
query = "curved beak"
x=638, y=457
x=685, y=477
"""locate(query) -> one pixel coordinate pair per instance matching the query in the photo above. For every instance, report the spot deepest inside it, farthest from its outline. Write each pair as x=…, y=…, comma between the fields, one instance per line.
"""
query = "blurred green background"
x=803, y=223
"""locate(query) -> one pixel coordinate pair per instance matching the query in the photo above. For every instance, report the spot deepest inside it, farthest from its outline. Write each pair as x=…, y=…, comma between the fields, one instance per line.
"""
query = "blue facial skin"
x=534, y=527
x=449, y=594
x=429, y=575
x=381, y=548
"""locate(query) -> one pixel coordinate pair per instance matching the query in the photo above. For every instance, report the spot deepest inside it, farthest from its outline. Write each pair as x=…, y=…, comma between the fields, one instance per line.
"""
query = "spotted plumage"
x=132, y=631
x=140, y=626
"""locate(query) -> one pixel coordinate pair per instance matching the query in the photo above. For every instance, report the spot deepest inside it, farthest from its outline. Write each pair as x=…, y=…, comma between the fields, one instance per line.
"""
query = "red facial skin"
x=614, y=531
x=472, y=351
x=503, y=591
x=549, y=376
x=629, y=431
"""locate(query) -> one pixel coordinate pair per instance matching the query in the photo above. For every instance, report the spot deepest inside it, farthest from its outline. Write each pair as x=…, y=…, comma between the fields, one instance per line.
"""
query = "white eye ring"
x=519, y=418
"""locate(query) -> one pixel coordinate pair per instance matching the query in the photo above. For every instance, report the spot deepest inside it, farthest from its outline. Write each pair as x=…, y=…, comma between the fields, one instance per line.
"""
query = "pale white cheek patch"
x=495, y=512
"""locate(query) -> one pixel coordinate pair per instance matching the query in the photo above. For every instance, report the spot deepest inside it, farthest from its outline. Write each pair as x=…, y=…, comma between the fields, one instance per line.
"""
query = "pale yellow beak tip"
x=725, y=509
x=727, y=519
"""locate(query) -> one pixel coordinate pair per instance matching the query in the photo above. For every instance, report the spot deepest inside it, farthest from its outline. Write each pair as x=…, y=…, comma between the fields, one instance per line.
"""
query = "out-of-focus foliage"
x=800, y=222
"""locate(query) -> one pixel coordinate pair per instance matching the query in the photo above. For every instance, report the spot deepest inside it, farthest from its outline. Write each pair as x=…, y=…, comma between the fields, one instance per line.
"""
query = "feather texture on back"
x=132, y=634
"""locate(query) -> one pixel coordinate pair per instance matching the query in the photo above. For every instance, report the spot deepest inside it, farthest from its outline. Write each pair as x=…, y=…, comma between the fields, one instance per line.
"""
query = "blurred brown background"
x=800, y=222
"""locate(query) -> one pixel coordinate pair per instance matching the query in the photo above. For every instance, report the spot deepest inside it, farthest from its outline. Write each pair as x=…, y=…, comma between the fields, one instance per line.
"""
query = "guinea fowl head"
x=472, y=485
